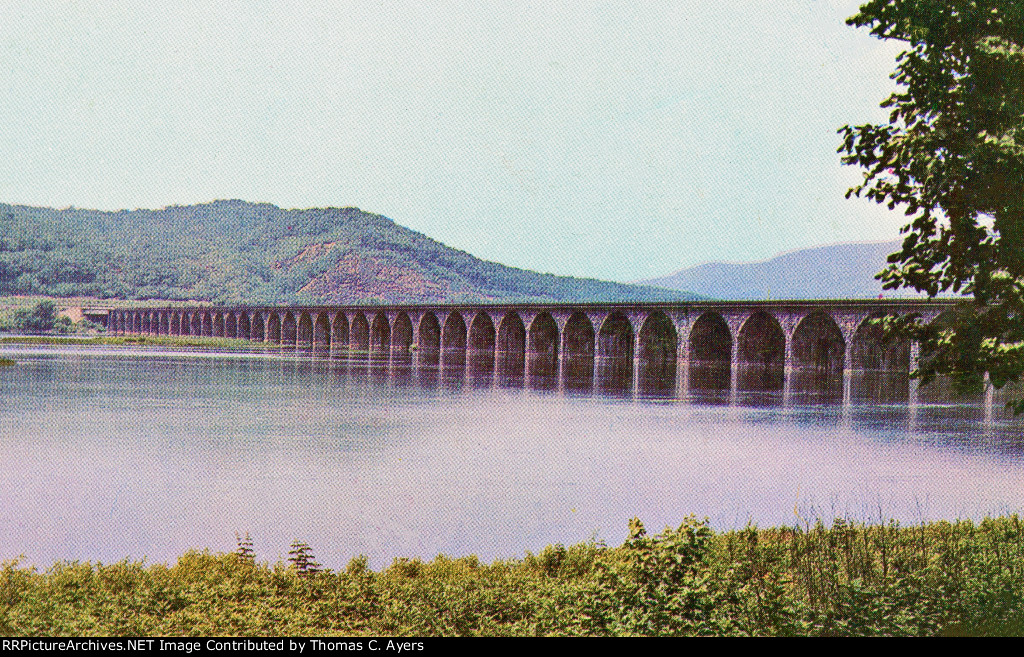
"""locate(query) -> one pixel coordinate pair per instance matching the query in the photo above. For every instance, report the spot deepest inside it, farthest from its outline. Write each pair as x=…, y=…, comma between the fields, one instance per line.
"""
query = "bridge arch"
x=145, y=323
x=207, y=324
x=218, y=325
x=244, y=326
x=511, y=345
x=615, y=343
x=274, y=328
x=818, y=343
x=542, y=346
x=578, y=352
x=710, y=356
x=304, y=332
x=428, y=340
x=871, y=349
x=761, y=353
x=322, y=333
x=480, y=347
x=401, y=337
x=453, y=341
x=880, y=364
x=360, y=334
x=196, y=324
x=339, y=333
x=230, y=325
x=453, y=335
x=481, y=333
x=288, y=330
x=257, y=328
x=659, y=346
x=380, y=336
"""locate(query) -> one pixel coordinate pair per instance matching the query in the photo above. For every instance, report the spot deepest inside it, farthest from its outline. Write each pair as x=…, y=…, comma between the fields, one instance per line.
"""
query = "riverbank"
x=184, y=341
x=848, y=579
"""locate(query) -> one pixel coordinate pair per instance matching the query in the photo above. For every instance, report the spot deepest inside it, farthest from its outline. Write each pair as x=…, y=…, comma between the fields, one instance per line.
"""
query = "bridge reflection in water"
x=767, y=352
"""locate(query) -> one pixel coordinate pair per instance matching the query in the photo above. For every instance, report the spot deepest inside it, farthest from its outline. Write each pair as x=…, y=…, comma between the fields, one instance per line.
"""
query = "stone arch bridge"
x=734, y=346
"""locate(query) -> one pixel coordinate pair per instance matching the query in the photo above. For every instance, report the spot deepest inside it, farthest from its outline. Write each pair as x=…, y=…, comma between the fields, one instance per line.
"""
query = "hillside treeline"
x=234, y=251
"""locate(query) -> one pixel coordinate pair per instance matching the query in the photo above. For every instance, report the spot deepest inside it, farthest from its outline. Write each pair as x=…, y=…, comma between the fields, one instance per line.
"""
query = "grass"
x=845, y=579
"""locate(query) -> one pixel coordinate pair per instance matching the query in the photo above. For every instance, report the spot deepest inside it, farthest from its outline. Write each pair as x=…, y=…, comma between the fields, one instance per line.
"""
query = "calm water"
x=107, y=454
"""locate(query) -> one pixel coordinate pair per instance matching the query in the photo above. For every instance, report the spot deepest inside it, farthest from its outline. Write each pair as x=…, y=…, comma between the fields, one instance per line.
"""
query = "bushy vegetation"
x=232, y=251
x=848, y=579
x=42, y=317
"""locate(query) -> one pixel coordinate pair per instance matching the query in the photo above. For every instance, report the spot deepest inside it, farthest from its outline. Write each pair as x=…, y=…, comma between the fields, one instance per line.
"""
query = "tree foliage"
x=952, y=157
x=37, y=319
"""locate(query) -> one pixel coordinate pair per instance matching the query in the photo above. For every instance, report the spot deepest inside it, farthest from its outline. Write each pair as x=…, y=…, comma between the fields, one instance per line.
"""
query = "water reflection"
x=879, y=387
x=106, y=455
x=816, y=386
x=758, y=377
x=710, y=376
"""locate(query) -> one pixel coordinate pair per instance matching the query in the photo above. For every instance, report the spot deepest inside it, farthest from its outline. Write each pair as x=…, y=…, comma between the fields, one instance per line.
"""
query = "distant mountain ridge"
x=234, y=251
x=838, y=271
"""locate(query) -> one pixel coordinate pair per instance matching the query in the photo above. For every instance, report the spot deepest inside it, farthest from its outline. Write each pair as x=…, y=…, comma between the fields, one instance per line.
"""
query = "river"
x=113, y=453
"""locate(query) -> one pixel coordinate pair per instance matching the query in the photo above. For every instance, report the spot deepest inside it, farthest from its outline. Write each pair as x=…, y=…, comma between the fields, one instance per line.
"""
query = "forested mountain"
x=234, y=251
x=838, y=271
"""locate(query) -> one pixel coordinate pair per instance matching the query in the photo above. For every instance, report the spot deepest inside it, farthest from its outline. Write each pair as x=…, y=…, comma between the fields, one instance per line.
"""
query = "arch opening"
x=578, y=352
x=615, y=353
x=511, y=349
x=818, y=343
x=761, y=354
x=380, y=337
x=257, y=329
x=230, y=326
x=481, y=348
x=218, y=325
x=360, y=335
x=880, y=364
x=245, y=326
x=453, y=342
x=710, y=356
x=658, y=354
x=304, y=332
x=401, y=340
x=339, y=335
x=322, y=334
x=289, y=334
x=274, y=329
x=819, y=353
x=428, y=343
x=542, y=351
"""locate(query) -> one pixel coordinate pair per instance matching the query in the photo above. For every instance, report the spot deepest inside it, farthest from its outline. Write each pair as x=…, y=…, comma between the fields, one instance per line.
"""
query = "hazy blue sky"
x=618, y=140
